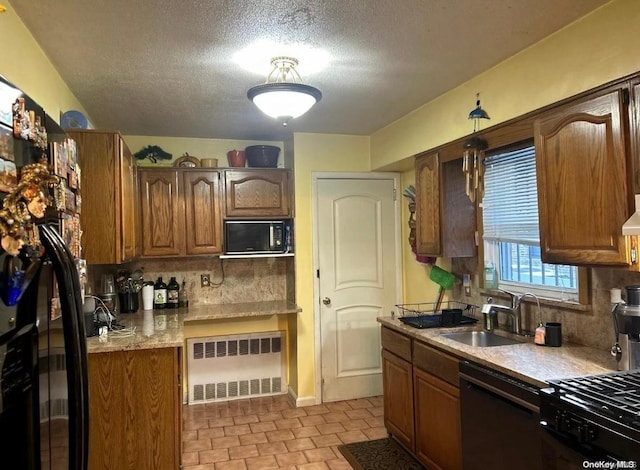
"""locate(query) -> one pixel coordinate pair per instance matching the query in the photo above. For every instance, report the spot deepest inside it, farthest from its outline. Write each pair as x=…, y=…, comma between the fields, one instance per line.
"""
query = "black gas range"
x=597, y=416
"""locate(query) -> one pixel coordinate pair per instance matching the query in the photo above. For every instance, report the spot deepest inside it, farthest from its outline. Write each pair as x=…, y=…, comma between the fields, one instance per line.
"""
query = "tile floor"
x=270, y=432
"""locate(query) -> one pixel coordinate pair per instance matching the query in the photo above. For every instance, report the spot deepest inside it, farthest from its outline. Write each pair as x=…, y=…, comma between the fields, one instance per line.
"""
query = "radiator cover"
x=231, y=367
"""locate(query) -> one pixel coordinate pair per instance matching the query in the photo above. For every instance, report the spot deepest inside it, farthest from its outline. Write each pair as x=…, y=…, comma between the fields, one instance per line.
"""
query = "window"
x=511, y=234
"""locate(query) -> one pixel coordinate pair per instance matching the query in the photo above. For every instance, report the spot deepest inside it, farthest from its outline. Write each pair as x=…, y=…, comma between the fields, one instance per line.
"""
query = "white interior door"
x=358, y=264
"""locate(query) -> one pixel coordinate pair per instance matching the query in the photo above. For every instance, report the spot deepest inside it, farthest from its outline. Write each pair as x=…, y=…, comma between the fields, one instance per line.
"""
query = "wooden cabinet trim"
x=437, y=363
x=257, y=193
x=396, y=343
x=398, y=398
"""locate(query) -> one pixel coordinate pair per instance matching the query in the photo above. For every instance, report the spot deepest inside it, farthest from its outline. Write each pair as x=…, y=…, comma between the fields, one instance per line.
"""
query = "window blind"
x=510, y=202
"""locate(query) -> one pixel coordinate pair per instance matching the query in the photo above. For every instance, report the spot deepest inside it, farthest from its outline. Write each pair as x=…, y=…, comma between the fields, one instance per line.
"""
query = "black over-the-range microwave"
x=246, y=237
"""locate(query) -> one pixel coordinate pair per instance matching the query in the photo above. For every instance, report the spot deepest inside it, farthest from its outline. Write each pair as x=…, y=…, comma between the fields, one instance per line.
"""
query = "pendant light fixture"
x=284, y=96
x=474, y=147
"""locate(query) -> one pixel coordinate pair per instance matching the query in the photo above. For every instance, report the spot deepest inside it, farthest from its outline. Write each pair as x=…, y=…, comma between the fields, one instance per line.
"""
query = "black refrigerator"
x=43, y=359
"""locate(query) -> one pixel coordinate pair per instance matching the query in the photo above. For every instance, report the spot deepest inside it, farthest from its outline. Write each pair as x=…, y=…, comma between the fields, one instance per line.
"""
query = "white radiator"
x=235, y=366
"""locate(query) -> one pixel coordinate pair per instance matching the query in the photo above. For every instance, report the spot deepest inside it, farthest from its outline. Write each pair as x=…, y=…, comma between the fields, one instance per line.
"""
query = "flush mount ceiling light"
x=284, y=96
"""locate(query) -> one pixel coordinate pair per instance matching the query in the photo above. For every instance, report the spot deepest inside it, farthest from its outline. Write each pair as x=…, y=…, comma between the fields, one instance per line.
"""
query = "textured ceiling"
x=166, y=67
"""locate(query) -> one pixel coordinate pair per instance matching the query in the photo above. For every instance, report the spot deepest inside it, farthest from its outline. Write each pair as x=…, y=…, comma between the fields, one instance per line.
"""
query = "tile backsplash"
x=233, y=280
x=589, y=326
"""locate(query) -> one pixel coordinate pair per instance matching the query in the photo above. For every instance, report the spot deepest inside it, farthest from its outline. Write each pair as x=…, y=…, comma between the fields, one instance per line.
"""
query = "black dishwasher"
x=500, y=420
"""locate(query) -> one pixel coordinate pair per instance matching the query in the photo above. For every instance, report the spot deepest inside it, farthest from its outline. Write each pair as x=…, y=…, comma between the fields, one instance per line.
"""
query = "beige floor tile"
x=225, y=442
x=299, y=444
x=213, y=456
x=207, y=466
x=291, y=458
x=261, y=463
x=270, y=416
x=195, y=424
x=306, y=431
x=319, y=455
x=271, y=448
x=279, y=435
x=330, y=428
x=375, y=422
x=255, y=438
x=294, y=413
x=231, y=413
x=359, y=414
x=376, y=411
x=337, y=465
x=287, y=423
x=313, y=466
x=246, y=419
x=312, y=420
x=376, y=433
x=326, y=440
x=336, y=417
x=355, y=424
x=196, y=446
x=190, y=435
x=221, y=422
x=262, y=427
x=352, y=436
x=243, y=452
x=237, y=430
x=316, y=410
x=190, y=458
x=338, y=406
x=359, y=403
x=280, y=406
x=210, y=433
x=231, y=465
x=376, y=401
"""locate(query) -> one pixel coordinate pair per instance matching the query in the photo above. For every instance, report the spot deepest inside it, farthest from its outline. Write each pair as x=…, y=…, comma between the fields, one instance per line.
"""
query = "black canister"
x=633, y=295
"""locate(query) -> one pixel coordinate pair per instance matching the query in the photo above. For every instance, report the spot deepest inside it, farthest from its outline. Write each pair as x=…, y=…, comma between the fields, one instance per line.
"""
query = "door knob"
x=326, y=301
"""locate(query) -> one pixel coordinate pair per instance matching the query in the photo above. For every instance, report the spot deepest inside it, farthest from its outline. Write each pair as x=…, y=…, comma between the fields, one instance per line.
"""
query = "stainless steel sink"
x=481, y=339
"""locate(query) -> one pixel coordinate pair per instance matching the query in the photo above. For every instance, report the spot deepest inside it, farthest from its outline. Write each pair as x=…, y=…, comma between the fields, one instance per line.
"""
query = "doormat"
x=381, y=454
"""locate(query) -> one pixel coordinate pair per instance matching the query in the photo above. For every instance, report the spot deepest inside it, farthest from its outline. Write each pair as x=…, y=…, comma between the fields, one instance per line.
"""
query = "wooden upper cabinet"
x=162, y=213
x=108, y=219
x=445, y=216
x=258, y=193
x=202, y=212
x=583, y=195
x=180, y=212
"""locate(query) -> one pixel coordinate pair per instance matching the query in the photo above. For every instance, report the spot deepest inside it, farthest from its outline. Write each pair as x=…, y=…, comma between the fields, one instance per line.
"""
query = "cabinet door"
x=257, y=193
x=133, y=403
x=581, y=165
x=437, y=408
x=428, y=205
x=162, y=213
x=397, y=386
x=201, y=191
x=128, y=230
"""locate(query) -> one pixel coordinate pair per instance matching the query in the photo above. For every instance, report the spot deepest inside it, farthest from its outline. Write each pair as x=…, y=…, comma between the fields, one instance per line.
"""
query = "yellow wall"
x=23, y=63
x=594, y=50
x=315, y=153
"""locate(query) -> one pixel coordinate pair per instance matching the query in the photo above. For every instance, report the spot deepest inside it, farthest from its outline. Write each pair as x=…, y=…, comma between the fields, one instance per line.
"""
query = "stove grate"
x=616, y=394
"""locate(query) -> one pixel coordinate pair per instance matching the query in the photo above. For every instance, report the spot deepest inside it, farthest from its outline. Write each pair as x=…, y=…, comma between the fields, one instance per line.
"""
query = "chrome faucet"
x=513, y=312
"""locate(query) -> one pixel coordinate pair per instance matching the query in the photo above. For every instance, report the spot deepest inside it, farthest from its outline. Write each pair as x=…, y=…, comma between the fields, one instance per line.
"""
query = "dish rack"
x=427, y=314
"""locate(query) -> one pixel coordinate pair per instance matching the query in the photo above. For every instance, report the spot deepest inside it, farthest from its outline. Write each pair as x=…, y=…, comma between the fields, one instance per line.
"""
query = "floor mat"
x=381, y=454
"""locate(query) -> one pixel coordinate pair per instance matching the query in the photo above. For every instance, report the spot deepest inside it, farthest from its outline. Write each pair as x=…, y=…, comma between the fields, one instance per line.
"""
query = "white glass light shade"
x=284, y=101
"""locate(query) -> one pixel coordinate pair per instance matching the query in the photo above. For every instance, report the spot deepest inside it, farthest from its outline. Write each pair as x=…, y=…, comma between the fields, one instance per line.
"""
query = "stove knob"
x=587, y=433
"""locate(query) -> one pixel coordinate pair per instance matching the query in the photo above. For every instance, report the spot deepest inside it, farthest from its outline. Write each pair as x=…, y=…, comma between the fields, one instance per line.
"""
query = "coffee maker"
x=626, y=321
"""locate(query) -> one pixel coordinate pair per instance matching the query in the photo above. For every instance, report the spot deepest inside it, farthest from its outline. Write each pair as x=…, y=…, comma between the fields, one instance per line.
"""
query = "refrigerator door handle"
x=68, y=280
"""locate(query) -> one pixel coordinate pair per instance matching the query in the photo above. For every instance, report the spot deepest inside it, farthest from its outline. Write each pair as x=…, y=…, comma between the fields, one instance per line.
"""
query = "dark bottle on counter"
x=173, y=289
x=159, y=294
x=183, y=298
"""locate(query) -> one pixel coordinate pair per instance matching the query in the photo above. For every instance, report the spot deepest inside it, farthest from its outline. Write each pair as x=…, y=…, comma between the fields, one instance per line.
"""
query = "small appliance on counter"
x=626, y=320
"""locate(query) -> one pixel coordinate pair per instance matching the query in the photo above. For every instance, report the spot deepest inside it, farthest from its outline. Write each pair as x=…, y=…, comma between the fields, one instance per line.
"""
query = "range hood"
x=632, y=225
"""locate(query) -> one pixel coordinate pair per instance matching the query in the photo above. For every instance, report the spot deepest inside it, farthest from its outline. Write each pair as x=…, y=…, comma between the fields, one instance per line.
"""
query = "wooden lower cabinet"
x=437, y=421
x=422, y=400
x=398, y=398
x=135, y=409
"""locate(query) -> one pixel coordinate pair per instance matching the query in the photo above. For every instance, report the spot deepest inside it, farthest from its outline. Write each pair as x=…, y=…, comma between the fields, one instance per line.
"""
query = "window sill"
x=562, y=304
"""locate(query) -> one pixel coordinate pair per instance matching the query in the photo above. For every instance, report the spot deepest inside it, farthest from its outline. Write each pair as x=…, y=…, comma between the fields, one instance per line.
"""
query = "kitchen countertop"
x=527, y=361
x=164, y=328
